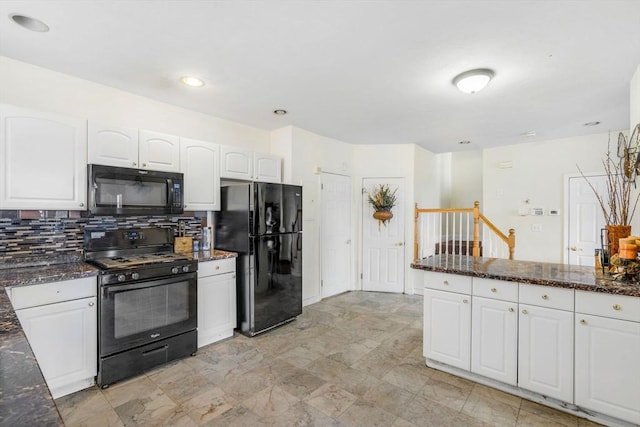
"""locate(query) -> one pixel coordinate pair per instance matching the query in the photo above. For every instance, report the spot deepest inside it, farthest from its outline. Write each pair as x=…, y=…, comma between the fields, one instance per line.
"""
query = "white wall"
x=29, y=86
x=538, y=174
x=466, y=178
x=635, y=99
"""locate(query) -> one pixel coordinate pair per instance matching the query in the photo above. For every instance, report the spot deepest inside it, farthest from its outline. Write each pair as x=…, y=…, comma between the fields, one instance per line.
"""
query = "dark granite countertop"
x=216, y=254
x=538, y=273
x=24, y=396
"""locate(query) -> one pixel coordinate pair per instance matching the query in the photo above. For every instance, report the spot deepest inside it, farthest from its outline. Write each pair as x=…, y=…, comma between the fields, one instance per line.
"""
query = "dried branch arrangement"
x=621, y=171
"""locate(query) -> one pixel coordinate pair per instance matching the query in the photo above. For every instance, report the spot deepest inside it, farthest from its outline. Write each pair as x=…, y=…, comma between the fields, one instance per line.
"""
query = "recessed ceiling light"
x=29, y=23
x=465, y=142
x=530, y=134
x=591, y=124
x=280, y=112
x=192, y=81
x=473, y=81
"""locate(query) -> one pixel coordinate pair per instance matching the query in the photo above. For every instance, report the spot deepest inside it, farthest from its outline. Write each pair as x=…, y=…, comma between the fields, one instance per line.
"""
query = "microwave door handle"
x=171, y=192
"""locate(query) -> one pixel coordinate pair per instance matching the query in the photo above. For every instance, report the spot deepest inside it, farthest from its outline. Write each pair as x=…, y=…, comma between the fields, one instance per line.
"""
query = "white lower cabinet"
x=216, y=300
x=494, y=339
x=545, y=361
x=607, y=360
x=62, y=335
x=447, y=328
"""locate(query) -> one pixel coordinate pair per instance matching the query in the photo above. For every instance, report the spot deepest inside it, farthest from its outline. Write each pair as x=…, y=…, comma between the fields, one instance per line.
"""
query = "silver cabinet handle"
x=134, y=163
x=545, y=296
x=511, y=310
x=144, y=165
x=81, y=205
x=525, y=312
x=494, y=290
x=465, y=301
x=91, y=304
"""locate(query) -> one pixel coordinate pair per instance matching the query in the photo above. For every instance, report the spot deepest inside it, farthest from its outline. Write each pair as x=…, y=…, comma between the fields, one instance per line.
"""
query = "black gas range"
x=147, y=305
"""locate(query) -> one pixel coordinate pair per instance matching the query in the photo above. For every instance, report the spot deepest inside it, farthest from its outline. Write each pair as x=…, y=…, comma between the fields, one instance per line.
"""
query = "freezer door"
x=277, y=290
x=278, y=208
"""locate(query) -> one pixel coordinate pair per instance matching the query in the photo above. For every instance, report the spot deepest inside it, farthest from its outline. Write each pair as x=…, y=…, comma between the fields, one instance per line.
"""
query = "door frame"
x=565, y=216
x=351, y=285
x=360, y=213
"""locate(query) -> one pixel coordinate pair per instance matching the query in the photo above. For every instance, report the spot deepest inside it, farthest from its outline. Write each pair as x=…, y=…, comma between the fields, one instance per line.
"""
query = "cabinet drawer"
x=495, y=289
x=448, y=282
x=546, y=296
x=621, y=307
x=49, y=293
x=219, y=266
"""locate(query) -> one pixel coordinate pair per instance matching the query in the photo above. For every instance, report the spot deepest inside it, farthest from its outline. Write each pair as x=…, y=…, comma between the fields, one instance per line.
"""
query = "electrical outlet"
x=536, y=228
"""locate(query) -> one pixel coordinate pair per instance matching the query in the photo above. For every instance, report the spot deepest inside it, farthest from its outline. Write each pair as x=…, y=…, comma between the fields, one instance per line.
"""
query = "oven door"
x=140, y=313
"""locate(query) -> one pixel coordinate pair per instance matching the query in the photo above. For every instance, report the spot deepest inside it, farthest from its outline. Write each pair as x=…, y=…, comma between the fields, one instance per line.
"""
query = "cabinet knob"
x=144, y=165
x=617, y=307
x=545, y=296
x=494, y=290
x=81, y=205
x=511, y=309
x=217, y=267
x=91, y=304
x=525, y=312
x=584, y=322
x=135, y=164
x=446, y=283
x=234, y=276
x=465, y=301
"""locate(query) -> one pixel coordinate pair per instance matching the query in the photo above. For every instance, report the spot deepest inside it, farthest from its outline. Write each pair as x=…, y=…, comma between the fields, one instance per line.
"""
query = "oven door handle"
x=111, y=289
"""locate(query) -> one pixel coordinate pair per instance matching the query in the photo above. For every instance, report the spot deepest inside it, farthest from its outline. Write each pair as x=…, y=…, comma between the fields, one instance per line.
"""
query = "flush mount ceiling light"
x=192, y=81
x=473, y=81
x=280, y=112
x=530, y=134
x=29, y=23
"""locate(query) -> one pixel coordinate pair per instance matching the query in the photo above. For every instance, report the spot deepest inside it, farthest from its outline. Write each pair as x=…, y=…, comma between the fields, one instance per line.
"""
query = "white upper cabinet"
x=199, y=162
x=133, y=148
x=268, y=168
x=113, y=146
x=236, y=163
x=159, y=151
x=43, y=160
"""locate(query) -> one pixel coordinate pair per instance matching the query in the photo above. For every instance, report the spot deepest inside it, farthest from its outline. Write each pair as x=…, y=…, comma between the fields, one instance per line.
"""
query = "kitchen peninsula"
x=562, y=335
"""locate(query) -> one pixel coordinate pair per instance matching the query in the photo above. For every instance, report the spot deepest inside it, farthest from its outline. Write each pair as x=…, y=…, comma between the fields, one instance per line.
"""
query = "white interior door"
x=336, y=234
x=585, y=219
x=383, y=245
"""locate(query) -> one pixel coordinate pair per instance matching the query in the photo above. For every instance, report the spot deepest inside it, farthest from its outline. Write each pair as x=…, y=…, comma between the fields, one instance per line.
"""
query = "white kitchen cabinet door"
x=63, y=337
x=494, y=339
x=606, y=366
x=159, y=151
x=43, y=160
x=216, y=307
x=200, y=164
x=447, y=328
x=546, y=351
x=268, y=168
x=236, y=163
x=112, y=146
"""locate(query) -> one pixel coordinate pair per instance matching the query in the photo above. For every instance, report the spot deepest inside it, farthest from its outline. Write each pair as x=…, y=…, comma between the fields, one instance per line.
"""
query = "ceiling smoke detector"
x=473, y=81
x=29, y=23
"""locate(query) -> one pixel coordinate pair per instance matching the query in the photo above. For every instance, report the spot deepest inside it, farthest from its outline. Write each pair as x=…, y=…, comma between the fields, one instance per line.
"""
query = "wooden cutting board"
x=183, y=244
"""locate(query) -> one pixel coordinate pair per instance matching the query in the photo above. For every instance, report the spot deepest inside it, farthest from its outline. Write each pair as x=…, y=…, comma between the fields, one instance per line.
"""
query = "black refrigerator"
x=262, y=222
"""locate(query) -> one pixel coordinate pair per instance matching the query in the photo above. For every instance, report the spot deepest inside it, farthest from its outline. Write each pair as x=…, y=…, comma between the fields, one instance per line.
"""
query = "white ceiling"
x=364, y=72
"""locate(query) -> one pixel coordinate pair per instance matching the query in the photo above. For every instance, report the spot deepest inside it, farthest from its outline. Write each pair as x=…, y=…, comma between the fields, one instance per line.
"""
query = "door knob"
x=575, y=248
x=399, y=243
x=347, y=242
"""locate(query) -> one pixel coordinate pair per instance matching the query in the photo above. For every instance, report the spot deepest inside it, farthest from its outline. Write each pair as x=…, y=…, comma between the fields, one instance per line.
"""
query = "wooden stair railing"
x=478, y=218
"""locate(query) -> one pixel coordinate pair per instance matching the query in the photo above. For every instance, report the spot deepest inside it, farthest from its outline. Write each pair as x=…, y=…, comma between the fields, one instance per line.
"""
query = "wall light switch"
x=553, y=212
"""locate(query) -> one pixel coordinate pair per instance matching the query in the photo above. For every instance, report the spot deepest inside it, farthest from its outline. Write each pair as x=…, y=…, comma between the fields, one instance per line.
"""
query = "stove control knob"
x=185, y=269
x=175, y=270
x=121, y=277
x=135, y=276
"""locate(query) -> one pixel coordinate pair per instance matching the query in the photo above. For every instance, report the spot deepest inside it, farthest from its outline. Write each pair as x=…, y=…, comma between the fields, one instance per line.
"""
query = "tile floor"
x=350, y=360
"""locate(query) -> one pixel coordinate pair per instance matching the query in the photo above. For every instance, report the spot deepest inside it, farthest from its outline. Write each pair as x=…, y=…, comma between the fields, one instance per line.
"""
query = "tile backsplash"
x=23, y=240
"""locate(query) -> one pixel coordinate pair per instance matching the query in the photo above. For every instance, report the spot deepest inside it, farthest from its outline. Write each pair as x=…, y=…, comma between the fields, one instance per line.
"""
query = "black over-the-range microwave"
x=125, y=191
